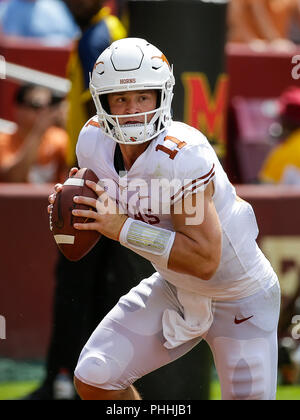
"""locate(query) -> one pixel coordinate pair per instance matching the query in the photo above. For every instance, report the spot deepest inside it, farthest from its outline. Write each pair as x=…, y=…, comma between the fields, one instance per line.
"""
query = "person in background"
x=262, y=23
x=294, y=29
x=48, y=21
x=282, y=165
x=2, y=9
x=98, y=28
x=86, y=289
x=36, y=151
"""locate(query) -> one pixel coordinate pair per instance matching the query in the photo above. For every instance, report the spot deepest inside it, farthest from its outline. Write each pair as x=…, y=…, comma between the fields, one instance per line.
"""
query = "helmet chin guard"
x=133, y=133
x=132, y=64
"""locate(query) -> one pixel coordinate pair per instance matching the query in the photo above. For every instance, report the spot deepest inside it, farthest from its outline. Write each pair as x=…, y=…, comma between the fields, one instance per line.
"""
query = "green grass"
x=18, y=378
x=17, y=390
x=284, y=392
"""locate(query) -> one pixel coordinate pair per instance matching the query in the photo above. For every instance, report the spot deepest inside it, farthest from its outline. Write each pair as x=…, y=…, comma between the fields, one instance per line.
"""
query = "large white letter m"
x=2, y=328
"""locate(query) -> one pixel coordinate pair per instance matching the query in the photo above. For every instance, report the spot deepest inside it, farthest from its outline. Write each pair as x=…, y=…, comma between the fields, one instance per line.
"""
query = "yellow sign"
x=283, y=252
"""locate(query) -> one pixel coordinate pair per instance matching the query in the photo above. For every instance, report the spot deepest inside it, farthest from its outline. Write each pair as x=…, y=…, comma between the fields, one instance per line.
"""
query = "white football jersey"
x=178, y=162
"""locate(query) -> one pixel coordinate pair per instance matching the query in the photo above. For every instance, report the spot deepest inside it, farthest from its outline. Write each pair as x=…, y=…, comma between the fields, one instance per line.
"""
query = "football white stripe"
x=77, y=182
x=64, y=239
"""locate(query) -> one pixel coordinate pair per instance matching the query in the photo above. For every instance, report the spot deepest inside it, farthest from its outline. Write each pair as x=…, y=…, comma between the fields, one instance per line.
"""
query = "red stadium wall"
x=27, y=260
x=260, y=75
x=28, y=255
x=33, y=55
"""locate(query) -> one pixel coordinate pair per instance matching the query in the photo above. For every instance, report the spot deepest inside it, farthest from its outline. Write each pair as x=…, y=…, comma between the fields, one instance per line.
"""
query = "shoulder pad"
x=87, y=138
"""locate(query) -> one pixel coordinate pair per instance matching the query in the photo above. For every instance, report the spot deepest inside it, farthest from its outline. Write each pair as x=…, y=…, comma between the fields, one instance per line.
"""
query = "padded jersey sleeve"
x=194, y=169
x=86, y=144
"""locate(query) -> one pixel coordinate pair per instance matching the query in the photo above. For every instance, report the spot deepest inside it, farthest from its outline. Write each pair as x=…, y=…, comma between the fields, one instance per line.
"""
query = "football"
x=73, y=243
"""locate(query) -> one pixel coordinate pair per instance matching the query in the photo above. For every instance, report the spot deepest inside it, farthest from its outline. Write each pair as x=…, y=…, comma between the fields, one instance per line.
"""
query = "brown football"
x=73, y=243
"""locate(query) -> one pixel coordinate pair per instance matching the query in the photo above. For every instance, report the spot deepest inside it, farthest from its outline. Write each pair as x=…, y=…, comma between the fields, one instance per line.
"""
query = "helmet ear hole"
x=158, y=98
x=104, y=102
x=103, y=99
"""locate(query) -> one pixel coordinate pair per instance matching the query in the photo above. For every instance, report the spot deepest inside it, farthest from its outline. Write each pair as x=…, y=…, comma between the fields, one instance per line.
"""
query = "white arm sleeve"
x=151, y=242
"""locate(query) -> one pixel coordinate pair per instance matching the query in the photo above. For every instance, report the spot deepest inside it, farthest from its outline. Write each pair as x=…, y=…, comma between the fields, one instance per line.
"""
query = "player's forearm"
x=264, y=22
x=239, y=28
x=13, y=173
x=196, y=258
x=17, y=169
x=172, y=250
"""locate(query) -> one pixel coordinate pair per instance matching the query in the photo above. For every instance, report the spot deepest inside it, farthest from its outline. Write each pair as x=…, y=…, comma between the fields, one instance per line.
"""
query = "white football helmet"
x=132, y=64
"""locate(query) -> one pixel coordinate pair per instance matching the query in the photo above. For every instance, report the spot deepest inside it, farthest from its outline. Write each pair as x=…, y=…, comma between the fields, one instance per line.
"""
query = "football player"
x=164, y=194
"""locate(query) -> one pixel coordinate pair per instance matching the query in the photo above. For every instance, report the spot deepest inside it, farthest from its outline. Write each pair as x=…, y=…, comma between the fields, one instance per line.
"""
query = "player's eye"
x=144, y=98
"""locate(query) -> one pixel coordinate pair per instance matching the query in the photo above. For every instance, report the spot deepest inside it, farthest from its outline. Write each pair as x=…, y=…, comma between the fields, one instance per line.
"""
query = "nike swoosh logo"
x=239, y=321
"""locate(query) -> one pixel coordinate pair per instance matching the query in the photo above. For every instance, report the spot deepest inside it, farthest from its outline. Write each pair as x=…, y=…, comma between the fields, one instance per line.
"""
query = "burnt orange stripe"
x=198, y=179
x=212, y=175
x=171, y=153
x=203, y=183
x=163, y=58
x=93, y=123
x=96, y=64
x=208, y=173
x=193, y=182
x=180, y=144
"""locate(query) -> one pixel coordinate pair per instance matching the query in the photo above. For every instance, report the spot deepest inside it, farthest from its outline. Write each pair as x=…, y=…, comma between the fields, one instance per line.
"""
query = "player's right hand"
x=58, y=188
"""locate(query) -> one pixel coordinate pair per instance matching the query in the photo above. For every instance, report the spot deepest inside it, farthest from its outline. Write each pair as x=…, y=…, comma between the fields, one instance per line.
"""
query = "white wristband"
x=151, y=242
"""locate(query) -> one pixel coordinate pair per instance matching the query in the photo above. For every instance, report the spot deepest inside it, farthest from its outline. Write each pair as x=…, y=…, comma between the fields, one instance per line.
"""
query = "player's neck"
x=131, y=152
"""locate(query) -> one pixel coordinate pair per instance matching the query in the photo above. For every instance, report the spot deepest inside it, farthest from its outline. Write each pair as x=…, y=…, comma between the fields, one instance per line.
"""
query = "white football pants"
x=128, y=343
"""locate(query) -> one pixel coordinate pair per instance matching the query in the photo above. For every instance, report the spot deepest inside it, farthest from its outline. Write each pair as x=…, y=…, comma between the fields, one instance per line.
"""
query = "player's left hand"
x=108, y=219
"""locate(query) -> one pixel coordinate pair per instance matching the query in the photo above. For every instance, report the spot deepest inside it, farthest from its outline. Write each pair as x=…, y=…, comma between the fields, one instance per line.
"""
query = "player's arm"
x=17, y=169
x=238, y=22
x=197, y=246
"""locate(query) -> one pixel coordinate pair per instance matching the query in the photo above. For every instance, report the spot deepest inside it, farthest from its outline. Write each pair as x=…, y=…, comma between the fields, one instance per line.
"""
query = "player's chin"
x=130, y=122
